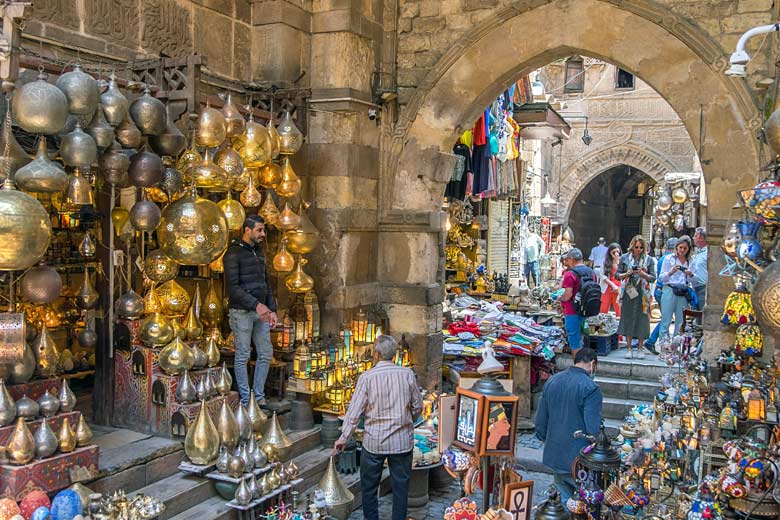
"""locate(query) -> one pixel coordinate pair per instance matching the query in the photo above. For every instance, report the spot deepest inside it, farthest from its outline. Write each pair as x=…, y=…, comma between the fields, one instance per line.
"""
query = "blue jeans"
x=654, y=335
x=566, y=486
x=671, y=305
x=532, y=269
x=247, y=327
x=573, y=325
x=371, y=466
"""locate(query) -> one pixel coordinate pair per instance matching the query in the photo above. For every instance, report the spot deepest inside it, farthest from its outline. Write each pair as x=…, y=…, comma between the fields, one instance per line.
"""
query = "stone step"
x=215, y=508
x=614, y=408
x=627, y=389
x=179, y=492
x=649, y=369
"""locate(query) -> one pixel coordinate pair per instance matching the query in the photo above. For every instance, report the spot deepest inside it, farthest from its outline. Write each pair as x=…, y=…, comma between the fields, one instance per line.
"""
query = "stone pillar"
x=280, y=39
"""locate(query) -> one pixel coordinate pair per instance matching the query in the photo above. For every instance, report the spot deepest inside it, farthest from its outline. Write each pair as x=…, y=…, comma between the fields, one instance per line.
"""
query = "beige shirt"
x=389, y=399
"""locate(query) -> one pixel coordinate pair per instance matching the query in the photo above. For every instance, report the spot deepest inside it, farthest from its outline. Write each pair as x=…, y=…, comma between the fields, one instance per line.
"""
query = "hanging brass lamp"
x=254, y=145
x=299, y=282
x=88, y=297
x=208, y=175
x=291, y=184
x=234, y=121
x=79, y=191
x=114, y=165
x=269, y=175
x=269, y=211
x=46, y=354
x=274, y=137
x=41, y=284
x=42, y=175
x=188, y=159
x=80, y=89
x=39, y=107
x=149, y=114
x=231, y=163
x=87, y=246
x=211, y=129
x=217, y=266
x=250, y=197
x=77, y=148
x=159, y=267
x=283, y=261
x=120, y=217
x=156, y=330
x=176, y=357
x=174, y=298
x=171, y=142
x=303, y=239
x=192, y=231
x=234, y=212
x=128, y=135
x=290, y=137
x=288, y=220
x=114, y=103
x=276, y=436
x=227, y=426
x=100, y=130
x=212, y=311
x=201, y=445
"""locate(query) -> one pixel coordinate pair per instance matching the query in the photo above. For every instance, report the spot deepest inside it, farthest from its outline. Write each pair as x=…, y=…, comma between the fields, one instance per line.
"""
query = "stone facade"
x=377, y=186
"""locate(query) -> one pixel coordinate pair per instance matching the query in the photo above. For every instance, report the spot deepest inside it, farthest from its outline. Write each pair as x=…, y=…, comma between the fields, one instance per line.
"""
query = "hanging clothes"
x=456, y=188
x=480, y=164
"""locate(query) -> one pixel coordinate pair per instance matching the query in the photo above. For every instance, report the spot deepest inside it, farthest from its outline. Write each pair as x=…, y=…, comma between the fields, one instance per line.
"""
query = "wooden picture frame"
x=499, y=426
x=468, y=419
x=518, y=498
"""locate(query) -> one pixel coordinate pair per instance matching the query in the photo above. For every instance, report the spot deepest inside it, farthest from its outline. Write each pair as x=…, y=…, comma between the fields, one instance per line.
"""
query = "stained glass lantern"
x=302, y=362
x=312, y=313
x=347, y=338
x=340, y=371
x=335, y=396
x=756, y=406
x=330, y=376
x=359, y=326
x=300, y=320
x=749, y=340
x=365, y=364
x=322, y=357
x=282, y=335
x=319, y=379
x=352, y=370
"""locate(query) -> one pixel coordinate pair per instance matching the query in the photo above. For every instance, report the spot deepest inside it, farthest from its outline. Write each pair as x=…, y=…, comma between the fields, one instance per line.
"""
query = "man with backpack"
x=581, y=297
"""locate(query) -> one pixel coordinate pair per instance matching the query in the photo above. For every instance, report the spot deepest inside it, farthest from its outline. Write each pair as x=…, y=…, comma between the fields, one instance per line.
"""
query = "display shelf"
x=216, y=475
x=259, y=501
x=55, y=423
x=35, y=389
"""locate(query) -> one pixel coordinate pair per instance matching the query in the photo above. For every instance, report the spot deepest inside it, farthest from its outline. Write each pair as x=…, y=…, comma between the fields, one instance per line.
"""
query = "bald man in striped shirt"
x=389, y=399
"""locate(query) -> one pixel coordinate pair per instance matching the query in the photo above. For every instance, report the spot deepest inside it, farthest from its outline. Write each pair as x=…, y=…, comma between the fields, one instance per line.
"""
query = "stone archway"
x=579, y=175
x=674, y=56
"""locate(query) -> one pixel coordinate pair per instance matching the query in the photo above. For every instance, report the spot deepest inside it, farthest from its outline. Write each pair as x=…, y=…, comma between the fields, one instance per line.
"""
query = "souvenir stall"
x=677, y=204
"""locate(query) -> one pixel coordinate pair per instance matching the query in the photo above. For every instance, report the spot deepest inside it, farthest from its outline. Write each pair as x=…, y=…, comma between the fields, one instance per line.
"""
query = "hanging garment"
x=456, y=188
x=480, y=165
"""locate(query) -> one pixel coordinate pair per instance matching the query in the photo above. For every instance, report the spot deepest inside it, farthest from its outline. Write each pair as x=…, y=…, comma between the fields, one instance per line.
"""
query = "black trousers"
x=371, y=466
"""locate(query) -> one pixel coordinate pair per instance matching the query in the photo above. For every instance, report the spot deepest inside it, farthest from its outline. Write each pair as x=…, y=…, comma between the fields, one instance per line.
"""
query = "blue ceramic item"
x=66, y=505
x=42, y=513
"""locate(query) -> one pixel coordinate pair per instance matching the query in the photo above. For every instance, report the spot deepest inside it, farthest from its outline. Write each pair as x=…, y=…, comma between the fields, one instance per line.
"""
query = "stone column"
x=280, y=39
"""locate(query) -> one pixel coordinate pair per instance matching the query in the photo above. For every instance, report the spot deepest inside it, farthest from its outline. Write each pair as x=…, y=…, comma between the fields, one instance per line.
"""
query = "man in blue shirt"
x=671, y=244
x=699, y=266
x=571, y=401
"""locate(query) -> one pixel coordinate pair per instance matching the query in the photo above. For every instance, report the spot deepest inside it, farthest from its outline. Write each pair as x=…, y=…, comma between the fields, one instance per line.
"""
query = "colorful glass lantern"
x=312, y=314
x=319, y=380
x=352, y=370
x=366, y=364
x=282, y=335
x=299, y=320
x=749, y=340
x=756, y=408
x=347, y=338
x=302, y=362
x=330, y=376
x=336, y=397
x=359, y=326
x=340, y=371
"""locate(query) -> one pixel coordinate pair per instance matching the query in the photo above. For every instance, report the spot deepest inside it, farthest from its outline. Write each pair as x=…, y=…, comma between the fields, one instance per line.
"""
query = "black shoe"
x=650, y=348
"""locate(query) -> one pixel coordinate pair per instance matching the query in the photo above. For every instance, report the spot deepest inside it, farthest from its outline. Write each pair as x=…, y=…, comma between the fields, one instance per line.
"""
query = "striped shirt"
x=389, y=399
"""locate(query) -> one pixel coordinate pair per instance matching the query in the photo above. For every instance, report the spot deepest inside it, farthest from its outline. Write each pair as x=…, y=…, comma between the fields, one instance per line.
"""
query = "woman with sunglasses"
x=636, y=271
x=675, y=274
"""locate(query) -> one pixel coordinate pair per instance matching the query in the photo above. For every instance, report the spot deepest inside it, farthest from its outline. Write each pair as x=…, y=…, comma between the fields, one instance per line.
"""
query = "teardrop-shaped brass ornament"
x=174, y=298
x=152, y=303
x=212, y=311
x=83, y=432
x=189, y=158
x=338, y=497
x=88, y=297
x=7, y=405
x=156, y=330
x=254, y=144
x=212, y=352
x=227, y=426
x=186, y=392
x=211, y=129
x=223, y=385
x=66, y=437
x=22, y=371
x=176, y=357
x=269, y=211
x=231, y=163
x=21, y=446
x=243, y=494
x=114, y=102
x=305, y=238
x=257, y=417
x=274, y=138
x=288, y=219
x=299, y=281
x=45, y=440
x=42, y=175
x=46, y=354
x=225, y=373
x=87, y=246
x=234, y=212
x=67, y=398
x=234, y=121
x=193, y=328
x=276, y=436
x=290, y=137
x=201, y=445
x=244, y=424
x=291, y=184
x=283, y=261
x=250, y=197
x=269, y=175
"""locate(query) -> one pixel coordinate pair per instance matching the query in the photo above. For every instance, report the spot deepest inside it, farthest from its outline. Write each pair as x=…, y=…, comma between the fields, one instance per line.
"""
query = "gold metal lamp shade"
x=152, y=303
x=176, y=357
x=276, y=436
x=256, y=416
x=254, y=145
x=46, y=354
x=288, y=219
x=174, y=298
x=234, y=212
x=189, y=158
x=212, y=311
x=303, y=239
x=338, y=497
x=234, y=121
x=283, y=261
x=25, y=229
x=209, y=175
x=274, y=136
x=231, y=162
x=42, y=174
x=21, y=447
x=227, y=426
x=212, y=129
x=156, y=330
x=159, y=267
x=269, y=175
x=79, y=190
x=291, y=184
x=120, y=217
x=250, y=197
x=192, y=231
x=217, y=266
x=201, y=445
x=290, y=137
x=299, y=282
x=269, y=211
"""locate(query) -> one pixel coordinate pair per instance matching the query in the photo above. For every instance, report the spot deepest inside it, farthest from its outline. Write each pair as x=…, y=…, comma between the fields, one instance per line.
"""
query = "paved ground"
x=529, y=455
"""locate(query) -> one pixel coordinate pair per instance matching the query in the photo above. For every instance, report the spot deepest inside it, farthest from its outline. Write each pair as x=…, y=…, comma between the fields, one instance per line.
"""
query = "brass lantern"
x=335, y=395
x=302, y=362
x=756, y=406
x=313, y=314
x=340, y=371
x=359, y=326
x=319, y=381
x=282, y=336
x=299, y=319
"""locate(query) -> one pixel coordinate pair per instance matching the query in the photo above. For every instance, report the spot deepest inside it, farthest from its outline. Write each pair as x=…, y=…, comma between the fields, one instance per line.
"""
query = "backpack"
x=587, y=303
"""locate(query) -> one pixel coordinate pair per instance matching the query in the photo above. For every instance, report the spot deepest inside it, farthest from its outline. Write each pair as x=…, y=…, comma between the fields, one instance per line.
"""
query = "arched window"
x=575, y=78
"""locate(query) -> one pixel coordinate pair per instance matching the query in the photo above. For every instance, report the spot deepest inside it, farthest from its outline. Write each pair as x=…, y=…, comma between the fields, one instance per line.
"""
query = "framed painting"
x=517, y=499
x=499, y=426
x=468, y=414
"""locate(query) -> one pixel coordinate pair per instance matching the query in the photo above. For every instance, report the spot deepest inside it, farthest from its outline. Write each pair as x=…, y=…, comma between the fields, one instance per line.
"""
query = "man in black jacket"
x=251, y=305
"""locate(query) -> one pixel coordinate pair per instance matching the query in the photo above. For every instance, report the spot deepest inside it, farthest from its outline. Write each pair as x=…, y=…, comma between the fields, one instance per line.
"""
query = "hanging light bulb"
x=283, y=261
x=87, y=246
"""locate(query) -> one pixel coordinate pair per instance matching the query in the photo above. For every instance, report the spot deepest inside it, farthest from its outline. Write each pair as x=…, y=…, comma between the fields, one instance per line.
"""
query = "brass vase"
x=299, y=282
x=234, y=121
x=201, y=445
x=269, y=211
x=338, y=497
x=211, y=128
x=186, y=392
x=212, y=311
x=66, y=437
x=234, y=212
x=7, y=405
x=283, y=261
x=305, y=238
x=156, y=330
x=21, y=446
x=25, y=229
x=276, y=436
x=88, y=297
x=174, y=298
x=176, y=357
x=254, y=145
x=83, y=432
x=46, y=354
x=291, y=184
x=250, y=197
x=67, y=398
x=212, y=352
x=201, y=359
x=22, y=371
x=193, y=328
x=45, y=440
x=269, y=175
x=290, y=137
x=42, y=175
x=256, y=416
x=244, y=424
x=227, y=426
x=192, y=231
x=48, y=405
x=159, y=267
x=288, y=219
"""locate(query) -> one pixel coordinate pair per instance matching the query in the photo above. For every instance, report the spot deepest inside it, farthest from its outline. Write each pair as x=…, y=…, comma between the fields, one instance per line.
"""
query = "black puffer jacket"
x=246, y=277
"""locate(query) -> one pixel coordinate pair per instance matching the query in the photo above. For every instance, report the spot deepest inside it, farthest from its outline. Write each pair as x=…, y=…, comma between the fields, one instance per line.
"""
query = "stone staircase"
x=140, y=463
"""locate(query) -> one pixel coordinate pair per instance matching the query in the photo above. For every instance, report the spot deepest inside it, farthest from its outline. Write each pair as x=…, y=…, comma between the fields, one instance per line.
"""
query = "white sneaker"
x=629, y=354
x=640, y=354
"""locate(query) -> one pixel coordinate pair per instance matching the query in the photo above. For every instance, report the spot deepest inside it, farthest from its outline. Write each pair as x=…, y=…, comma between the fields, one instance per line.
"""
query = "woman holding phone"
x=675, y=274
x=636, y=271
